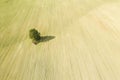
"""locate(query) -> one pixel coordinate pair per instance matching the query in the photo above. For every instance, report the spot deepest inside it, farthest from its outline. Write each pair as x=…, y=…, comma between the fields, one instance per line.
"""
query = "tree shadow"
x=43, y=39
x=46, y=38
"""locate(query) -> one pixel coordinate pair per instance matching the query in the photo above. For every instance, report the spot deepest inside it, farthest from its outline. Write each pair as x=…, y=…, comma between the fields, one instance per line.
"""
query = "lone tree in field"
x=34, y=35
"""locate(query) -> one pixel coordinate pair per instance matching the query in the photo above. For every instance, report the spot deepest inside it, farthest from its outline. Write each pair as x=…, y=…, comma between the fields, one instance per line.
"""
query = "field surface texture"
x=86, y=43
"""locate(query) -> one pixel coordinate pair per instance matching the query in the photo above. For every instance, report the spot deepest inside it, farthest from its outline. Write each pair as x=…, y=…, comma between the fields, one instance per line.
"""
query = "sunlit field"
x=86, y=43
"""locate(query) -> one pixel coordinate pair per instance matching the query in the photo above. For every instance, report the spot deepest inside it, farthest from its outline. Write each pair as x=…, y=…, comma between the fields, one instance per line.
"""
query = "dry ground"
x=86, y=44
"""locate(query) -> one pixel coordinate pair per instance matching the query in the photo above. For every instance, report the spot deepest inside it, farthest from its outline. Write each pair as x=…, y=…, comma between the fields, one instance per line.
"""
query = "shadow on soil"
x=44, y=39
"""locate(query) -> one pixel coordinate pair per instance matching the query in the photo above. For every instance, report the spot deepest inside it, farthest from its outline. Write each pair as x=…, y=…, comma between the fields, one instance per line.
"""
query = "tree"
x=34, y=35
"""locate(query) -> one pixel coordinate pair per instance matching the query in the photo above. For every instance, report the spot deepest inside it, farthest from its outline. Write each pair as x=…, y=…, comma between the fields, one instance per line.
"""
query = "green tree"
x=34, y=35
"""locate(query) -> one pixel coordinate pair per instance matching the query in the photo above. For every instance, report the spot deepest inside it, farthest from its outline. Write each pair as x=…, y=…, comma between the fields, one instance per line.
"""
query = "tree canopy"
x=34, y=34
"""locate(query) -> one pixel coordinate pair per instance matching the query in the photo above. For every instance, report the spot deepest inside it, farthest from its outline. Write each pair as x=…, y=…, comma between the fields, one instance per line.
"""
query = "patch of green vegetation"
x=34, y=35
